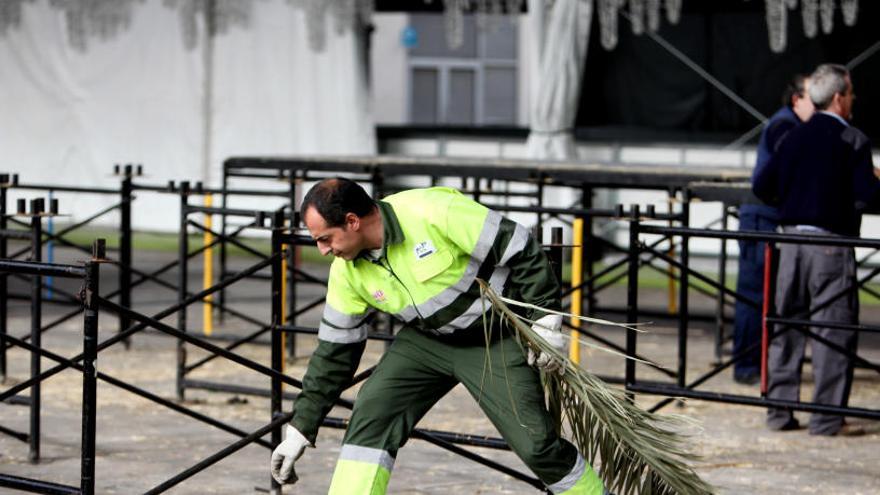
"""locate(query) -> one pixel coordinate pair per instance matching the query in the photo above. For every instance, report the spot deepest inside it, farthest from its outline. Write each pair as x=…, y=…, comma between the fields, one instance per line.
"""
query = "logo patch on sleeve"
x=379, y=296
x=423, y=249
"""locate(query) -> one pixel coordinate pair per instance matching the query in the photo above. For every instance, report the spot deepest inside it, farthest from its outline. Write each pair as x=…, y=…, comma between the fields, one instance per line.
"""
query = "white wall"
x=66, y=116
x=389, y=85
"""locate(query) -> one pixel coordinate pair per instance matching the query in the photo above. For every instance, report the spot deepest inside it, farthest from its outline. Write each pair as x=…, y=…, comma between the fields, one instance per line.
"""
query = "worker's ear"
x=352, y=221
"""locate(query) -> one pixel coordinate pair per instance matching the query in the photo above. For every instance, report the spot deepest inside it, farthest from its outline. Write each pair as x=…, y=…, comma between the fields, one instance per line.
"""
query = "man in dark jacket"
x=822, y=180
x=797, y=108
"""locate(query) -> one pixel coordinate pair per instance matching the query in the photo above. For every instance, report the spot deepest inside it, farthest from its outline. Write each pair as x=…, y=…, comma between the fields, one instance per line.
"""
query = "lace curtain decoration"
x=346, y=14
x=95, y=19
x=226, y=14
x=813, y=13
x=10, y=14
x=809, y=11
x=642, y=14
x=104, y=19
x=826, y=9
x=488, y=13
x=223, y=15
x=850, y=10
x=645, y=15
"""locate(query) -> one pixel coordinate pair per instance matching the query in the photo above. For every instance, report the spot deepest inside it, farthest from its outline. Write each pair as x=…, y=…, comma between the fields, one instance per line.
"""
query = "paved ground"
x=141, y=444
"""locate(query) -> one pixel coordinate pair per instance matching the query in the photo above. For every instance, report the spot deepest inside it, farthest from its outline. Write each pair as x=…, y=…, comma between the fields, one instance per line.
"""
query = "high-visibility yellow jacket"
x=436, y=243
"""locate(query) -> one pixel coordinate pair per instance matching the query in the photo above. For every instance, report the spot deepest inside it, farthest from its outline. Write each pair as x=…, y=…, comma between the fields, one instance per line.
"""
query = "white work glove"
x=549, y=328
x=286, y=453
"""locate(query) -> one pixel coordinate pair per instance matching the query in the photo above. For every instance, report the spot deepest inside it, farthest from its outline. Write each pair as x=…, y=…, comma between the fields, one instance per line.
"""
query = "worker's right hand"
x=549, y=328
x=286, y=453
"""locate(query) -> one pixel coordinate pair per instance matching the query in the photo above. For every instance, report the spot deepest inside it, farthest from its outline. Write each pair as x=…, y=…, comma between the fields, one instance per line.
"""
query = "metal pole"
x=125, y=250
x=765, y=311
x=4, y=182
x=50, y=249
x=632, y=294
x=36, y=324
x=587, y=252
x=555, y=252
x=292, y=265
x=574, y=349
x=221, y=296
x=276, y=336
x=540, y=195
x=90, y=371
x=182, y=267
x=684, y=274
x=208, y=270
x=36, y=486
x=722, y=276
x=670, y=200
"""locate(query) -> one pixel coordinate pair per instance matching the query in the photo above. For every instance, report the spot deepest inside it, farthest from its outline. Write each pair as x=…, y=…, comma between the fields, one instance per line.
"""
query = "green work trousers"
x=416, y=371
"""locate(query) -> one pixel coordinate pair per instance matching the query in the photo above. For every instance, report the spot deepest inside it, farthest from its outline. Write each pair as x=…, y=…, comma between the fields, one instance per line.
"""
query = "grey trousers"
x=808, y=277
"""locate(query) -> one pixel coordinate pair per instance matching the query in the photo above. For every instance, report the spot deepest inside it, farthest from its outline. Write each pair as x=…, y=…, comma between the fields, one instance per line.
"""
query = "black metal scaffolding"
x=89, y=275
x=689, y=388
x=506, y=185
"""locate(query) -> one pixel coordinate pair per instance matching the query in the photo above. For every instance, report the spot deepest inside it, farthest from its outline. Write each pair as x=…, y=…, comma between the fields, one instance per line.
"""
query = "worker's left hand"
x=286, y=453
x=549, y=328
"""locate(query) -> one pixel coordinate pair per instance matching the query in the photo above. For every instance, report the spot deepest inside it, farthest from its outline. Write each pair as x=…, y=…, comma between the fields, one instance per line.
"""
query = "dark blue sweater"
x=779, y=124
x=821, y=175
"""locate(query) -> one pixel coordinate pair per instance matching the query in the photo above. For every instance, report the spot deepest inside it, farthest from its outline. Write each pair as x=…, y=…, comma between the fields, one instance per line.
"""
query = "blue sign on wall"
x=409, y=37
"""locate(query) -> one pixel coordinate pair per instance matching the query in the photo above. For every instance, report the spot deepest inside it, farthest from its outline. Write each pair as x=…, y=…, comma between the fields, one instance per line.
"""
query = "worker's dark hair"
x=794, y=87
x=333, y=198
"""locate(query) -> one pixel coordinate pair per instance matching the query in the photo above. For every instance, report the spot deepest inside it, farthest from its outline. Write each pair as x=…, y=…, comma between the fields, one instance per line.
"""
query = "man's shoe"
x=790, y=425
x=747, y=378
x=851, y=431
x=847, y=430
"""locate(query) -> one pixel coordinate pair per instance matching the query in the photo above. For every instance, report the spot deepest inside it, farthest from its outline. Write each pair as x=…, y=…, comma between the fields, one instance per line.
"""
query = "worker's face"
x=802, y=104
x=343, y=242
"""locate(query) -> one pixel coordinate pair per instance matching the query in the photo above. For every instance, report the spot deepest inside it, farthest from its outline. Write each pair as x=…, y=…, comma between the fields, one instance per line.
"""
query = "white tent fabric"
x=274, y=94
x=67, y=115
x=562, y=43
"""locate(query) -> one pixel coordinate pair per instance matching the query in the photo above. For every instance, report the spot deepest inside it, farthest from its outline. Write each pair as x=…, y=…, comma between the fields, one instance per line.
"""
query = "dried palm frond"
x=640, y=452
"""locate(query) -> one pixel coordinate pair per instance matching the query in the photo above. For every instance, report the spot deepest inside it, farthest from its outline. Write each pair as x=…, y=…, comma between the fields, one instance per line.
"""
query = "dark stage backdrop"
x=639, y=89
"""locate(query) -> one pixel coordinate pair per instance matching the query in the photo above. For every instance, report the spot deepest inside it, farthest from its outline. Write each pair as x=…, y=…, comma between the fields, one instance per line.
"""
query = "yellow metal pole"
x=208, y=272
x=672, y=306
x=574, y=350
x=284, y=304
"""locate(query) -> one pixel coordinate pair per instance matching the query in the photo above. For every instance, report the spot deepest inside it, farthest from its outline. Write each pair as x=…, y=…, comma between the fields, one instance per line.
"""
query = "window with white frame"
x=475, y=84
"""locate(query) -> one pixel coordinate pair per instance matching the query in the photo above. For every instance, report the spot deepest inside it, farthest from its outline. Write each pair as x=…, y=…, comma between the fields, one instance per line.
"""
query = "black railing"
x=89, y=275
x=685, y=388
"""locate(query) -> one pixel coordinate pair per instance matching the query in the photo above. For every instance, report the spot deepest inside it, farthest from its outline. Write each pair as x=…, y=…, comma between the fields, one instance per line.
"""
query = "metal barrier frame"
x=377, y=174
x=685, y=389
x=92, y=347
x=586, y=177
x=90, y=276
x=259, y=220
